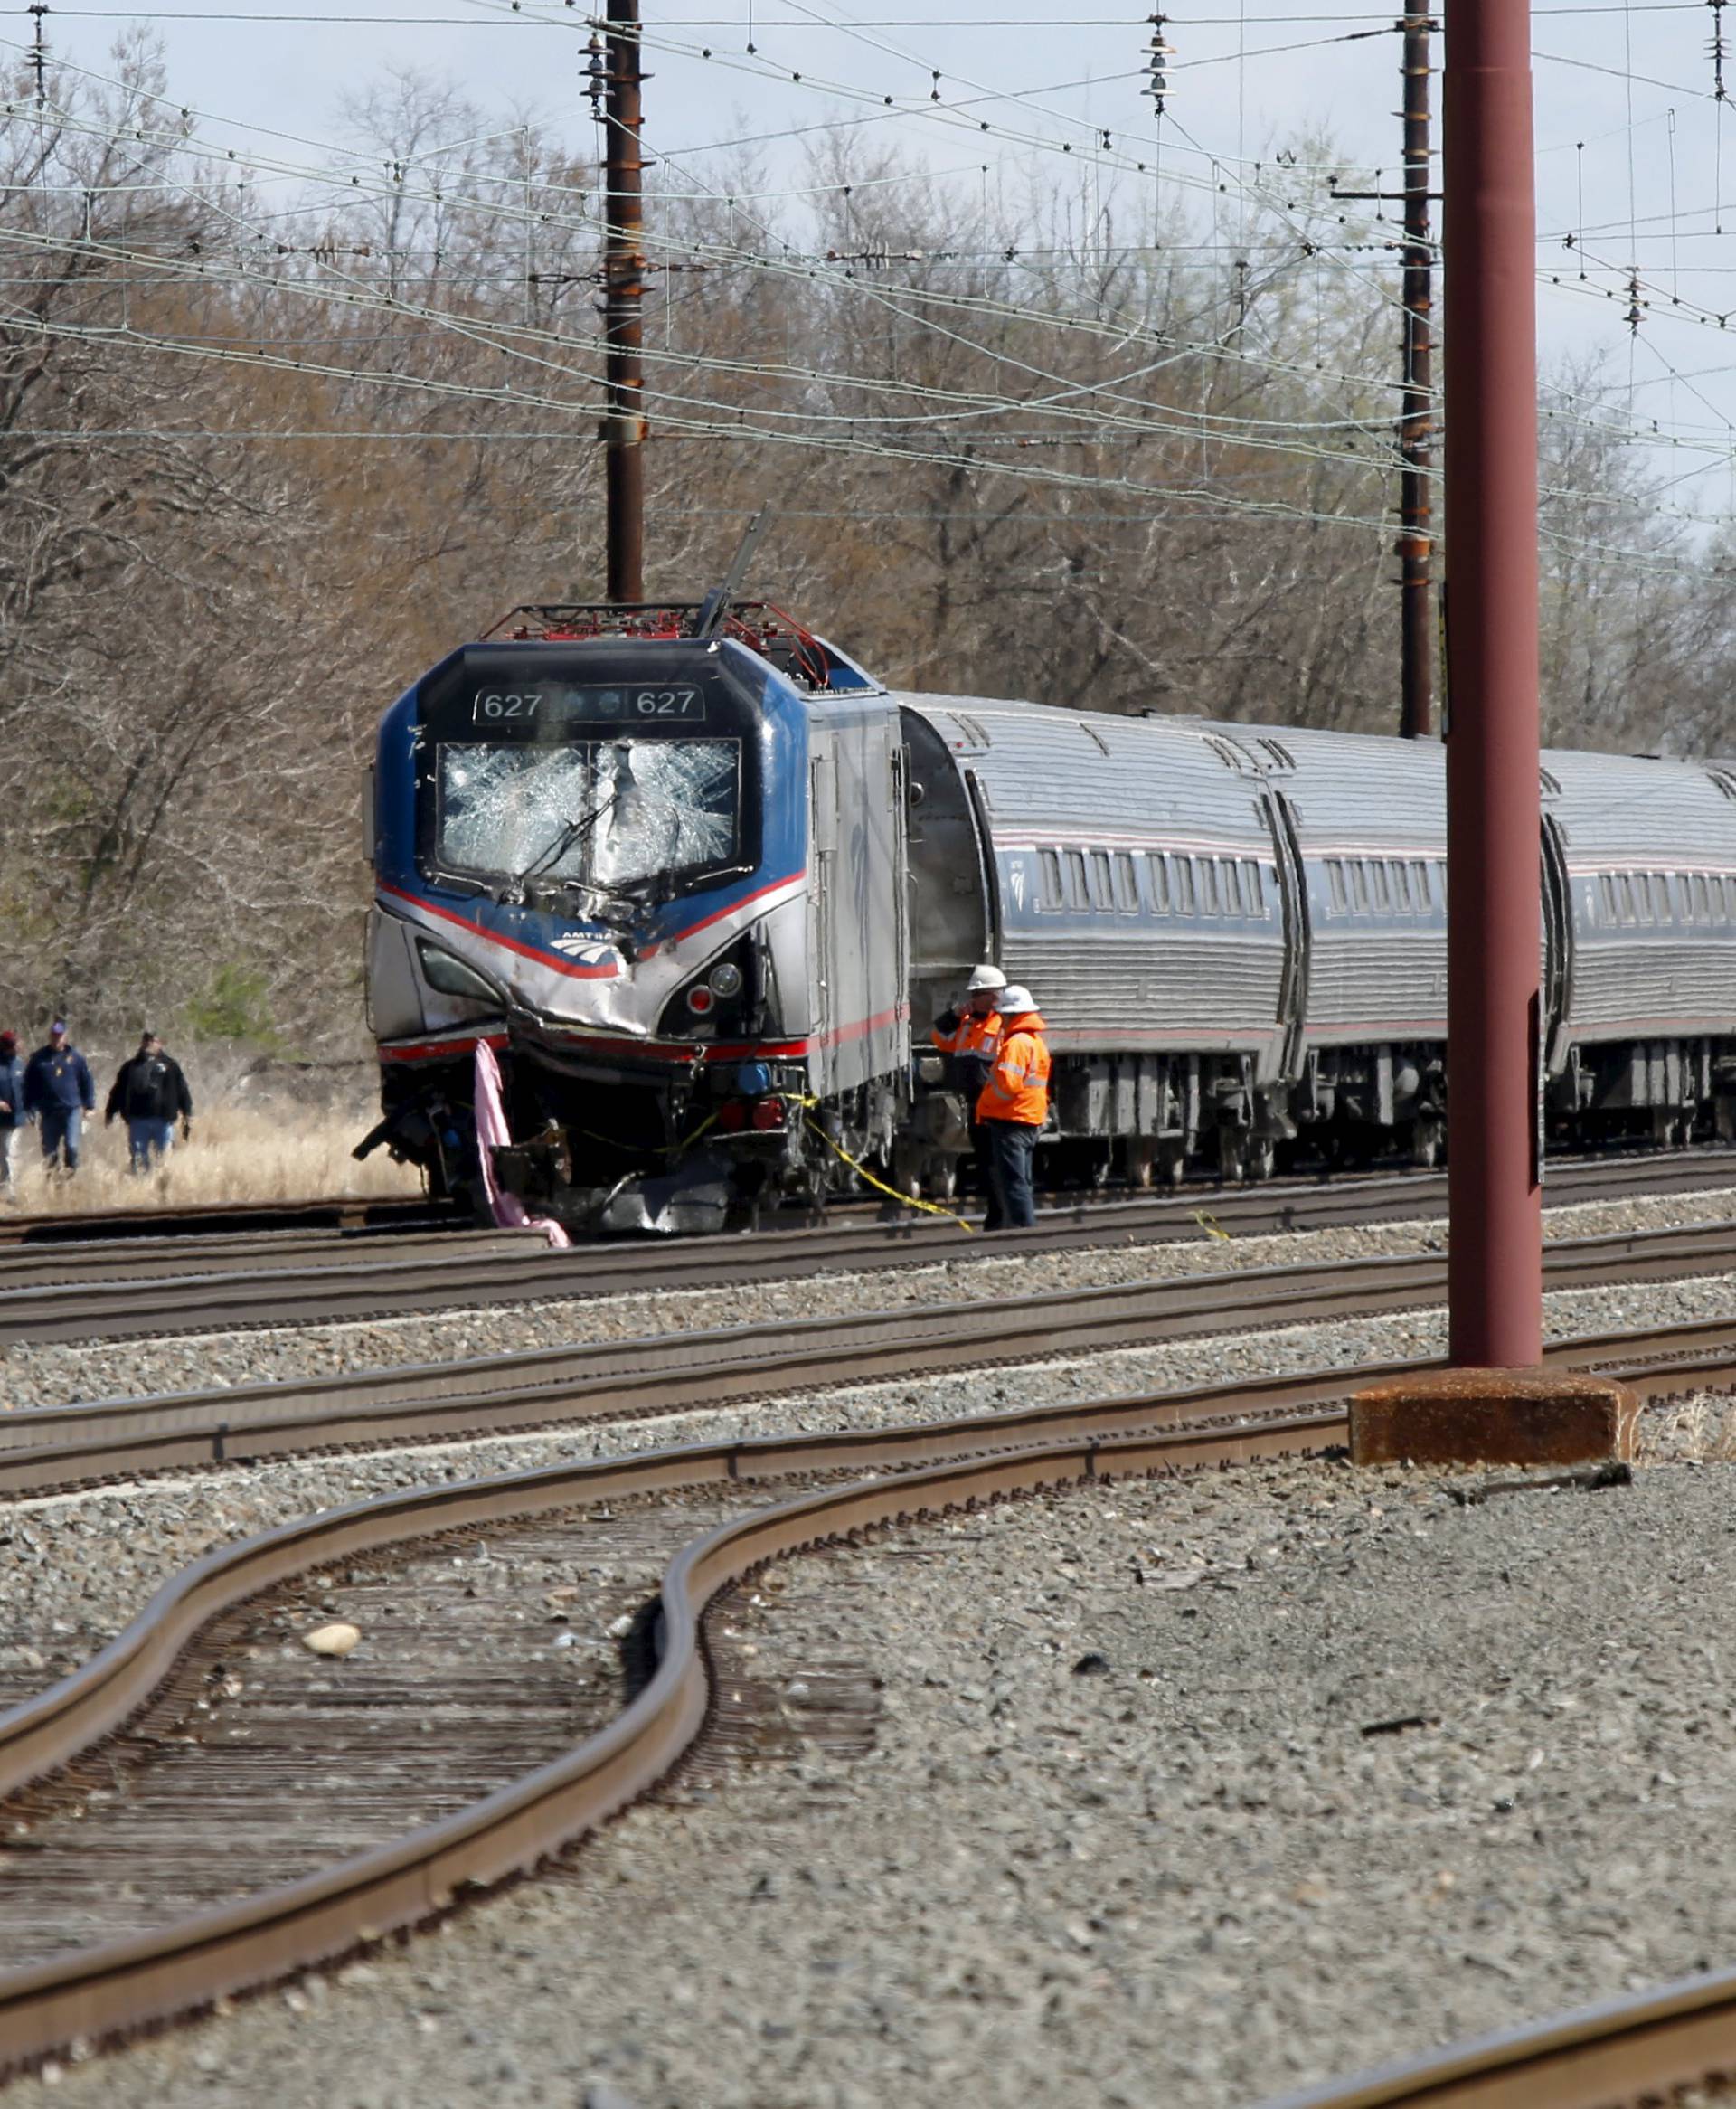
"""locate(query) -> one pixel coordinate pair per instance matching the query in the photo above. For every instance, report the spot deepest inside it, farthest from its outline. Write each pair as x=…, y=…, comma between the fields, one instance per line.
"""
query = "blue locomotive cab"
x=591, y=850
x=596, y=791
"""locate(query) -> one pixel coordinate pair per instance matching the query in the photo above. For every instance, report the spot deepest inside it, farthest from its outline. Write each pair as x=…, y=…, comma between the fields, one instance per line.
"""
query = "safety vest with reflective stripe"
x=971, y=1035
x=1018, y=1085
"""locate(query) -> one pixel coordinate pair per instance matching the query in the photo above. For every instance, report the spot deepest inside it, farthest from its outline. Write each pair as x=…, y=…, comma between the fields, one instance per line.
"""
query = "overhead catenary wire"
x=925, y=299
x=987, y=353
x=912, y=295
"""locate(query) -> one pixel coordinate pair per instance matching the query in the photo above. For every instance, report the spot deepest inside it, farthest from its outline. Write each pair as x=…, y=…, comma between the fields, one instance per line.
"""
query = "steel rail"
x=90, y=1992
x=496, y=1267
x=225, y=1218
x=928, y=1469
x=931, y=1468
x=1612, y=1176
x=1631, y=2053
x=51, y=1447
x=104, y=1261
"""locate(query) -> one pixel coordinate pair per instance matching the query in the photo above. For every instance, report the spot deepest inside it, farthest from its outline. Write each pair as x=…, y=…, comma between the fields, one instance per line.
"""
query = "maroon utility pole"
x=623, y=307
x=1494, y=820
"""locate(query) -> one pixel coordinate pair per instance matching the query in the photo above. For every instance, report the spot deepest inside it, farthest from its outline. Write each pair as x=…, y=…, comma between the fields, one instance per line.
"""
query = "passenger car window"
x=1702, y=905
x=1127, y=884
x=1158, y=879
x=1661, y=896
x=1251, y=902
x=1182, y=870
x=1208, y=882
x=1336, y=885
x=1377, y=875
x=1101, y=897
x=1077, y=896
x=1048, y=879
x=1358, y=885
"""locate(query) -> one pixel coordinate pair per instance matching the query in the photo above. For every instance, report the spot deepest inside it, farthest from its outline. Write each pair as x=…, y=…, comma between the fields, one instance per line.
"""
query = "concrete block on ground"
x=1493, y=1416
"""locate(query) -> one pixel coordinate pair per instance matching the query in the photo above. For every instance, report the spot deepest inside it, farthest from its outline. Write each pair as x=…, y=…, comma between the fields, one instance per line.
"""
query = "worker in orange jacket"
x=1013, y=1107
x=968, y=1035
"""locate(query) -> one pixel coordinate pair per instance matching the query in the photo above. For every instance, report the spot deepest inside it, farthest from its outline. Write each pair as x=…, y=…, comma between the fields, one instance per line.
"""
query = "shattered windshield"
x=628, y=810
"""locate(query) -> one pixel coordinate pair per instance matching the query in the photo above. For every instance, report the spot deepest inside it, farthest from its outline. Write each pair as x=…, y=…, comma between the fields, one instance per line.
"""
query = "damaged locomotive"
x=701, y=883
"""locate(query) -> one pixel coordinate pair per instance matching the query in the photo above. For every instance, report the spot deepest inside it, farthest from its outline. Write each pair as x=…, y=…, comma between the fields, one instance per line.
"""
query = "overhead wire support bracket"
x=38, y=11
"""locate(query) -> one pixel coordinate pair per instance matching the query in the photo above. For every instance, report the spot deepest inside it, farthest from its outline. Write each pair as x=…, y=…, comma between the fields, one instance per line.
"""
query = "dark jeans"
x=1012, y=1145
x=983, y=1159
x=146, y=1139
x=62, y=1129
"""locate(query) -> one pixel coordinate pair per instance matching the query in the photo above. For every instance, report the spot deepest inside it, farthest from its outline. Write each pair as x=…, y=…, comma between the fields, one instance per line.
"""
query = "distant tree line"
x=258, y=469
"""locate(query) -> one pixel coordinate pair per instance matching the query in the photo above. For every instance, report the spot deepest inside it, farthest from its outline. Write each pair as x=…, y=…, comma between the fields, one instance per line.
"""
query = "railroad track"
x=225, y=1219
x=665, y=1374
x=1634, y=2053
x=108, y=1985
x=108, y=1292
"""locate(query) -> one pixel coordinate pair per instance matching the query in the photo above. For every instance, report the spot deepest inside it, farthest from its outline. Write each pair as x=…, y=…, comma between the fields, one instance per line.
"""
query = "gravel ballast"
x=1012, y=1899
x=1181, y=1792
x=57, y=1374
x=82, y=1565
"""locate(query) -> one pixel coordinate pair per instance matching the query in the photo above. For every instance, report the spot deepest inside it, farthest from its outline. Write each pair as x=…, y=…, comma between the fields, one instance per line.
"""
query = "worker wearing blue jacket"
x=59, y=1092
x=14, y=1119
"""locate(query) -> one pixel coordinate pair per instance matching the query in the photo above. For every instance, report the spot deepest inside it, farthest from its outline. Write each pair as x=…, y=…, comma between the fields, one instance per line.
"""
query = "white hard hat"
x=984, y=978
x=1014, y=997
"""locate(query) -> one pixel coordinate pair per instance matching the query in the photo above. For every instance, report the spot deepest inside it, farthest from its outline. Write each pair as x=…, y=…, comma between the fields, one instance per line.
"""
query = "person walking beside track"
x=969, y=1039
x=1013, y=1106
x=150, y=1094
x=13, y=1119
x=58, y=1089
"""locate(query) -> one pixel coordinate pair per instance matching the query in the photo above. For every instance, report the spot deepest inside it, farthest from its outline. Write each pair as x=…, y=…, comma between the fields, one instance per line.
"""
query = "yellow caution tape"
x=855, y=1164
x=861, y=1172
x=1211, y=1226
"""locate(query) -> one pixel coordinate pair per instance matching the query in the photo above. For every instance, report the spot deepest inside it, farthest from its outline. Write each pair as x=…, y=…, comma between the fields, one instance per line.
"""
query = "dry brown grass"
x=238, y=1153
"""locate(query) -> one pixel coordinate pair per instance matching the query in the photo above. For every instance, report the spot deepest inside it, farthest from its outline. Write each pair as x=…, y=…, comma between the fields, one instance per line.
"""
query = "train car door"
x=1557, y=962
x=822, y=838
x=1293, y=890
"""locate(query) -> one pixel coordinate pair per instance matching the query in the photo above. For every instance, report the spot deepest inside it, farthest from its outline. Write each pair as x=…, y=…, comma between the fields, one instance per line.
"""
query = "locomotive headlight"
x=725, y=980
x=451, y=977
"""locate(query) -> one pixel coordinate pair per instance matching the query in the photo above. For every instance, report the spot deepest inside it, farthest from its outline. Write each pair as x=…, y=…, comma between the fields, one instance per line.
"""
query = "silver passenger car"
x=1640, y=884
x=1130, y=876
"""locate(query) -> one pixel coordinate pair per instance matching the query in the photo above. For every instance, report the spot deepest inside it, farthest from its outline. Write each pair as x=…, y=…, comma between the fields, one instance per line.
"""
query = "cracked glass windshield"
x=619, y=811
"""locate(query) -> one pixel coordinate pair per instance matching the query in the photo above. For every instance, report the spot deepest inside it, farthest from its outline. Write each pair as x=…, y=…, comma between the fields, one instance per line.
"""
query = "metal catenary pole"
x=623, y=427
x=1415, y=543
x=1416, y=423
x=1494, y=820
